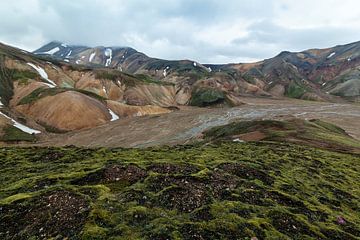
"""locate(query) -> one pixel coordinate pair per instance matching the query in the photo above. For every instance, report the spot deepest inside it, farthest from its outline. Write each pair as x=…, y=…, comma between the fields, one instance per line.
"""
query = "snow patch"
x=1, y=104
x=108, y=53
x=270, y=82
x=82, y=57
x=68, y=55
x=43, y=74
x=331, y=55
x=238, y=140
x=104, y=89
x=323, y=84
x=66, y=60
x=92, y=56
x=349, y=59
x=78, y=61
x=114, y=117
x=21, y=126
x=64, y=45
x=52, y=51
x=195, y=64
x=165, y=71
x=209, y=69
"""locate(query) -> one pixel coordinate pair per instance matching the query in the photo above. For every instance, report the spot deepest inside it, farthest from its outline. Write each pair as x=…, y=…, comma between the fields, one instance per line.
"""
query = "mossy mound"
x=203, y=97
x=13, y=134
x=227, y=190
x=313, y=132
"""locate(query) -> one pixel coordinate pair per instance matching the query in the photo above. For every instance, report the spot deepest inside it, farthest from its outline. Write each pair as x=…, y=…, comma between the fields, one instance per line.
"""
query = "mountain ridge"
x=315, y=74
x=128, y=83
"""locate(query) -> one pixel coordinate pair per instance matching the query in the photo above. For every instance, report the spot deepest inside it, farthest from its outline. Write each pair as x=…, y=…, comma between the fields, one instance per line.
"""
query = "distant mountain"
x=42, y=95
x=315, y=74
x=46, y=90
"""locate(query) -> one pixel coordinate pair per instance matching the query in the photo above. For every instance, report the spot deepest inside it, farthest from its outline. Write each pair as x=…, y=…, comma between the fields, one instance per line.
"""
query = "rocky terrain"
x=46, y=91
x=108, y=143
x=52, y=97
x=241, y=182
x=315, y=74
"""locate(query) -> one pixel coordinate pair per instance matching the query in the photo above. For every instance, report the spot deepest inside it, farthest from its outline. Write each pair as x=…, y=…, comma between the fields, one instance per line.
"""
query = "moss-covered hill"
x=227, y=190
x=312, y=132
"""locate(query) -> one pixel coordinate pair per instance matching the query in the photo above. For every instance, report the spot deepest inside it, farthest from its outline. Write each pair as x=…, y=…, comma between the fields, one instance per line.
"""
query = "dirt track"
x=188, y=123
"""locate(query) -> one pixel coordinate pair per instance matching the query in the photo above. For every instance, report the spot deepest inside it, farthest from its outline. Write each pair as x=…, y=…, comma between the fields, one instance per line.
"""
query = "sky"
x=208, y=31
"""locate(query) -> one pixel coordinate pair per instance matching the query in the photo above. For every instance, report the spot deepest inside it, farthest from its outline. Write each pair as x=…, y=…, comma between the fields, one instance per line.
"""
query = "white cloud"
x=203, y=30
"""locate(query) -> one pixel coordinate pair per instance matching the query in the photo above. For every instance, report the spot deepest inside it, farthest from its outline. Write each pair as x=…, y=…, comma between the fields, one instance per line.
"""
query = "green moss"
x=45, y=92
x=6, y=82
x=249, y=78
x=13, y=134
x=147, y=79
x=314, y=132
x=88, y=93
x=14, y=198
x=39, y=93
x=294, y=90
x=202, y=97
x=218, y=191
x=93, y=232
x=127, y=79
x=23, y=75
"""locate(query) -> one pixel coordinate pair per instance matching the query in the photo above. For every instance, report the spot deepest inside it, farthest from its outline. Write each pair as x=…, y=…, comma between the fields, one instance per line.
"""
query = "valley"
x=186, y=125
x=108, y=143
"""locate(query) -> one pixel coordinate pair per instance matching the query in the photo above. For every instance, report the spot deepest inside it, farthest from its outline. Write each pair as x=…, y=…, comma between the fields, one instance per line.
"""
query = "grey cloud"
x=167, y=28
x=270, y=35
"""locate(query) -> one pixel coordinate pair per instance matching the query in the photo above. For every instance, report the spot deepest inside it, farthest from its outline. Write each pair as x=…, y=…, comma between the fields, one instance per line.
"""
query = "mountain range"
x=315, y=74
x=108, y=143
x=60, y=87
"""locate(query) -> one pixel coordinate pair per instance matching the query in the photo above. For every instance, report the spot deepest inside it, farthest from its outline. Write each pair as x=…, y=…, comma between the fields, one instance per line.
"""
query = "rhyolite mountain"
x=315, y=74
x=61, y=88
x=272, y=176
x=37, y=95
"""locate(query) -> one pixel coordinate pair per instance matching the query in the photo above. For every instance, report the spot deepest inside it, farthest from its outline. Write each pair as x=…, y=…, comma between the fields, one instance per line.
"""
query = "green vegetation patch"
x=6, y=82
x=24, y=75
x=40, y=93
x=294, y=90
x=127, y=79
x=227, y=190
x=45, y=92
x=88, y=93
x=202, y=97
x=147, y=79
x=314, y=132
x=13, y=134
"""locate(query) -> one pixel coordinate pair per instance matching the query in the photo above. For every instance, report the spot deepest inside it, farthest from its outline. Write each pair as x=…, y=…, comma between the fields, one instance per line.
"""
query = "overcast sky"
x=208, y=31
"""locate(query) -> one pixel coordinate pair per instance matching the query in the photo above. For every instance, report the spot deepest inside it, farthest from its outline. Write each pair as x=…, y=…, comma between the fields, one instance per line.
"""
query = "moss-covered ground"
x=12, y=134
x=312, y=132
x=203, y=97
x=226, y=190
x=45, y=92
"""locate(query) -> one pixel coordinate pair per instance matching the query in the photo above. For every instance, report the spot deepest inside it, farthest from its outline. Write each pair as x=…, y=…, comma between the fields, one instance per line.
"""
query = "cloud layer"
x=208, y=31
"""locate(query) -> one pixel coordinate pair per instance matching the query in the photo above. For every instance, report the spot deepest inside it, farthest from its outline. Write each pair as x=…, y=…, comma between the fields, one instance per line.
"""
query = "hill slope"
x=223, y=191
x=315, y=74
x=41, y=95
